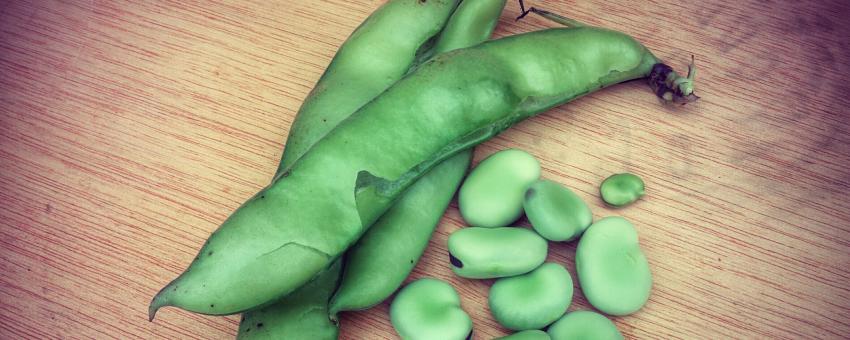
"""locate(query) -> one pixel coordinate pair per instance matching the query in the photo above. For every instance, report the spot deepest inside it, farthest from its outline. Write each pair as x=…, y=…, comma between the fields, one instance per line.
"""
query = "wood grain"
x=129, y=131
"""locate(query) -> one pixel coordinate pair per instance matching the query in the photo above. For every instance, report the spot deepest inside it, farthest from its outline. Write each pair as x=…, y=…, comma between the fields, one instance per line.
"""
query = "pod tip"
x=159, y=300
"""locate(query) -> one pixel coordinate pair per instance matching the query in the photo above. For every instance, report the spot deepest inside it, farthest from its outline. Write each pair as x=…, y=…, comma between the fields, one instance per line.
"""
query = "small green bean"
x=484, y=253
x=429, y=309
x=621, y=189
x=584, y=325
x=492, y=194
x=555, y=212
x=532, y=300
x=534, y=334
x=612, y=270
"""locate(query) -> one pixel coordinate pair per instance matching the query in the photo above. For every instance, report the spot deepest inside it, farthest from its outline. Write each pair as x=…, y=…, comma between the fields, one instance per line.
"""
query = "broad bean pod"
x=315, y=210
x=299, y=313
x=386, y=254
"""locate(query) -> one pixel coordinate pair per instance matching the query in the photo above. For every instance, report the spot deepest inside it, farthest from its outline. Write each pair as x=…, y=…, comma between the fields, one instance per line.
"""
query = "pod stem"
x=671, y=86
x=548, y=15
x=666, y=83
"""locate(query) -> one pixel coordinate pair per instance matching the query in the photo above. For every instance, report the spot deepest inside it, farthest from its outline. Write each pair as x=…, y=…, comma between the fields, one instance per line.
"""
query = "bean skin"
x=584, y=325
x=492, y=194
x=429, y=309
x=612, y=270
x=621, y=189
x=301, y=315
x=532, y=300
x=555, y=212
x=484, y=253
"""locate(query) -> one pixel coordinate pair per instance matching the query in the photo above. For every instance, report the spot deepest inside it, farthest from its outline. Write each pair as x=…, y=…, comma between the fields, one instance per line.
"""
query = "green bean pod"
x=386, y=254
x=376, y=55
x=301, y=315
x=298, y=313
x=380, y=261
x=584, y=324
x=534, y=334
x=472, y=23
x=486, y=253
x=312, y=212
x=532, y=300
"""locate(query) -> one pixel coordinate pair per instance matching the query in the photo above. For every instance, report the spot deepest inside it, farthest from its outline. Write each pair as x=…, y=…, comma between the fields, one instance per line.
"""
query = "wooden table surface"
x=130, y=130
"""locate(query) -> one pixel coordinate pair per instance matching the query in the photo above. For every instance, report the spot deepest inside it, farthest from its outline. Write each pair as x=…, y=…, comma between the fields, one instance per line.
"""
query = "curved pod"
x=527, y=335
x=294, y=228
x=386, y=254
x=376, y=55
x=301, y=315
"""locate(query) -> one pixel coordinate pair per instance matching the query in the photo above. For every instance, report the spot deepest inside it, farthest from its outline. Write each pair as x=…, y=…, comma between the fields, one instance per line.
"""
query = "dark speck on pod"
x=212, y=306
x=260, y=325
x=529, y=193
x=209, y=253
x=455, y=261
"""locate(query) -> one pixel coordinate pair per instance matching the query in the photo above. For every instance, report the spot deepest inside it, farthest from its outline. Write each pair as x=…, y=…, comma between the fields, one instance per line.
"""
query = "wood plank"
x=130, y=130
